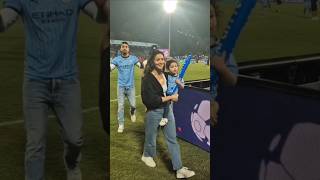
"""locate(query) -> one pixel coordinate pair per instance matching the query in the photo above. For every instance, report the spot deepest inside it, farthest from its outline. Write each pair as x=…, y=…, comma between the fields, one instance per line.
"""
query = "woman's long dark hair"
x=150, y=64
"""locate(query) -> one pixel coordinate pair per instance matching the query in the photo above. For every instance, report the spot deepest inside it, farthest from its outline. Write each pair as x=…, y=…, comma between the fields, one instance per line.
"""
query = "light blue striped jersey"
x=125, y=70
x=51, y=36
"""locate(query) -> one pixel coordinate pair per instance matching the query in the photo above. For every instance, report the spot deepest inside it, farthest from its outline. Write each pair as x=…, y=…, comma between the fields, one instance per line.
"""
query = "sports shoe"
x=184, y=172
x=120, y=128
x=163, y=121
x=133, y=118
x=148, y=161
x=74, y=174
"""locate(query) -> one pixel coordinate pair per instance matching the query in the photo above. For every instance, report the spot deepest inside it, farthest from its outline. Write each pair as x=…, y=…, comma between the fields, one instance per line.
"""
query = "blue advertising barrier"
x=267, y=130
x=192, y=114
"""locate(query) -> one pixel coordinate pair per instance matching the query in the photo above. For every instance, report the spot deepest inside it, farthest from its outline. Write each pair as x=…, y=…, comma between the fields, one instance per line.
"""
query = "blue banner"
x=266, y=130
x=192, y=115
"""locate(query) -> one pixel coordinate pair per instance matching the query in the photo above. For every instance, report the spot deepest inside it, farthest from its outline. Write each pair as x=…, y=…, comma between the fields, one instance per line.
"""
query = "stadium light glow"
x=169, y=6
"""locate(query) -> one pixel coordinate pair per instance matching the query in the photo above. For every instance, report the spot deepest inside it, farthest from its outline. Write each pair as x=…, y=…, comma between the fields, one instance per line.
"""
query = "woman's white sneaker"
x=184, y=172
x=148, y=161
x=133, y=118
x=120, y=128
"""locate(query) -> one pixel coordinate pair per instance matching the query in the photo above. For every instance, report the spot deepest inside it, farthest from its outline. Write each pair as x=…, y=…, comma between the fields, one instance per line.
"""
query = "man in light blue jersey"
x=126, y=88
x=51, y=75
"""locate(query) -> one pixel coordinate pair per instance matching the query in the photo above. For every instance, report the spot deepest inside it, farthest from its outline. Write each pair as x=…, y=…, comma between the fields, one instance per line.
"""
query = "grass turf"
x=270, y=34
x=126, y=148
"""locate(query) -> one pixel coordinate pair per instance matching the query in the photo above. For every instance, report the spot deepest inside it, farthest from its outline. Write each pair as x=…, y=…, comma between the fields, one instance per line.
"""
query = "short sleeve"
x=16, y=5
x=135, y=59
x=115, y=61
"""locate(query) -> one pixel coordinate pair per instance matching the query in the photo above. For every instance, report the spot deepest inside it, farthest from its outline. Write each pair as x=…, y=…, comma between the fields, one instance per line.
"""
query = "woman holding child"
x=153, y=92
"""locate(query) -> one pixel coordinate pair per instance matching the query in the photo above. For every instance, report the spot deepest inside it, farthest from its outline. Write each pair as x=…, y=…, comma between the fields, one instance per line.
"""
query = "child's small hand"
x=179, y=83
x=219, y=62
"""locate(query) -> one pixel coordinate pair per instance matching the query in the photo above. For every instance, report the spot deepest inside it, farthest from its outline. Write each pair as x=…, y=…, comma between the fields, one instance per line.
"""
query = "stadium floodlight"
x=169, y=7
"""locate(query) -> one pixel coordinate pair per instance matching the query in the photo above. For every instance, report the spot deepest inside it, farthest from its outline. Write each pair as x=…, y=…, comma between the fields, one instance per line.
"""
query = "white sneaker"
x=184, y=172
x=163, y=122
x=148, y=161
x=133, y=118
x=120, y=128
x=74, y=174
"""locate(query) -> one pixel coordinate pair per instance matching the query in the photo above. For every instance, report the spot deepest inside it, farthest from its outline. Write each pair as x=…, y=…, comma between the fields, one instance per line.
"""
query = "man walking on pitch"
x=125, y=64
x=51, y=75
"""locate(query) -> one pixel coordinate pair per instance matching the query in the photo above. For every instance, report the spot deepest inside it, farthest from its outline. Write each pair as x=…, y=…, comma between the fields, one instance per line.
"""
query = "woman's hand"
x=174, y=97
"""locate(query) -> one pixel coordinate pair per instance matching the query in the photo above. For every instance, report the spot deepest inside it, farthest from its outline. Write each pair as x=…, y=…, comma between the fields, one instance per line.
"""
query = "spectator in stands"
x=125, y=64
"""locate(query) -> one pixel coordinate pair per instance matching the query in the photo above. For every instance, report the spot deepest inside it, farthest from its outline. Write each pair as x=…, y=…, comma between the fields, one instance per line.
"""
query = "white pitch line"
x=11, y=123
x=52, y=116
x=113, y=100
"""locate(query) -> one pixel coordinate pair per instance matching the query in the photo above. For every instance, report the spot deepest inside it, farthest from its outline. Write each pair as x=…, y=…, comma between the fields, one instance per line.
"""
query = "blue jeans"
x=64, y=98
x=153, y=118
x=130, y=93
x=166, y=109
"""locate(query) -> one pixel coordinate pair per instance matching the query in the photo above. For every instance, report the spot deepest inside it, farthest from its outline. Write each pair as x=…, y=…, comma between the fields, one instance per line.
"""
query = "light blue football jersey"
x=51, y=36
x=126, y=70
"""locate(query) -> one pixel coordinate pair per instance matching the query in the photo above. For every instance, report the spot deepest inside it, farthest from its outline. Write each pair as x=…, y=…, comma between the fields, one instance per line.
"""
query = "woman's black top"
x=151, y=92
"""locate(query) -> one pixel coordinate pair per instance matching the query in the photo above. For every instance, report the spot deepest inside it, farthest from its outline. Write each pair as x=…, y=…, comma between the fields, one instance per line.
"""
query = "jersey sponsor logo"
x=125, y=66
x=52, y=16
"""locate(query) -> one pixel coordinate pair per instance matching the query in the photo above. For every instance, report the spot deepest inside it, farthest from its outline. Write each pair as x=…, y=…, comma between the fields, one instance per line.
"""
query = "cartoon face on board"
x=200, y=119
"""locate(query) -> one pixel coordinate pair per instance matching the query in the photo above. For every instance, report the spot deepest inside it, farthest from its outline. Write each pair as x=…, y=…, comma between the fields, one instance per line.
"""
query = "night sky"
x=146, y=21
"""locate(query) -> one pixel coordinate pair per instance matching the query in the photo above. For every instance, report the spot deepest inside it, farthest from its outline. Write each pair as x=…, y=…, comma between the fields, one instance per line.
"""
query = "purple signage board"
x=192, y=116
